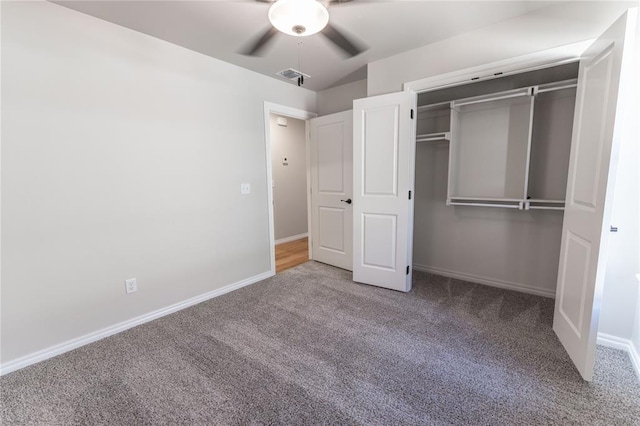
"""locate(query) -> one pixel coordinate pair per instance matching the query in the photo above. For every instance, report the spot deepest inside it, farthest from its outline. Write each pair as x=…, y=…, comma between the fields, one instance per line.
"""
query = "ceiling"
x=222, y=28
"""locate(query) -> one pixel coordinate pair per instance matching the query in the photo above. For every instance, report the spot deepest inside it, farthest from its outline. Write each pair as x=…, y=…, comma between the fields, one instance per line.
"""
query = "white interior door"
x=384, y=157
x=602, y=78
x=332, y=189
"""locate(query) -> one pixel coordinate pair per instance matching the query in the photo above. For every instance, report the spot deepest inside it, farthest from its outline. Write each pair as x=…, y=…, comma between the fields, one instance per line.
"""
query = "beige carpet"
x=310, y=347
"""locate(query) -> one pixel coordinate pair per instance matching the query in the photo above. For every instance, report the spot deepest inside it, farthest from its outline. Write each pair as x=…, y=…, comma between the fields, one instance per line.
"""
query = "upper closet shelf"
x=434, y=137
x=534, y=204
x=435, y=107
x=523, y=91
x=516, y=93
x=558, y=85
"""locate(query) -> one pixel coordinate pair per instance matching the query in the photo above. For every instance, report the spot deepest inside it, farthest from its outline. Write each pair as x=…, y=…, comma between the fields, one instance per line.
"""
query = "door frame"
x=321, y=198
x=530, y=62
x=538, y=60
x=300, y=114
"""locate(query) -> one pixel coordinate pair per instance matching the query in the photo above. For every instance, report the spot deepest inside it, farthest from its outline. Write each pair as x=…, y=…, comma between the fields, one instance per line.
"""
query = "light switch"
x=245, y=188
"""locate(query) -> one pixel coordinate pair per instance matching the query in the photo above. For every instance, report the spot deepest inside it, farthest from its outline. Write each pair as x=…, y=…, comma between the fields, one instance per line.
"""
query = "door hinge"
x=412, y=113
x=409, y=194
x=408, y=269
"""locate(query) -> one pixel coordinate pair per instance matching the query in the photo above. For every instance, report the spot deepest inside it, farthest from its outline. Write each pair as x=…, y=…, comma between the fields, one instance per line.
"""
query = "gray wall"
x=290, y=181
x=514, y=248
x=546, y=28
x=122, y=156
x=340, y=98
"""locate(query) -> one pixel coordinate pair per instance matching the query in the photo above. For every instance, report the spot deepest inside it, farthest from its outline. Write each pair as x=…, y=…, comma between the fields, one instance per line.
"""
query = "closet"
x=465, y=174
x=491, y=173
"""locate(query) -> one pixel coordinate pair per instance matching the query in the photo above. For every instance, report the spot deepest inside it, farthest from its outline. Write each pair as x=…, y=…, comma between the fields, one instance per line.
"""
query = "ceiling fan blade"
x=339, y=39
x=260, y=44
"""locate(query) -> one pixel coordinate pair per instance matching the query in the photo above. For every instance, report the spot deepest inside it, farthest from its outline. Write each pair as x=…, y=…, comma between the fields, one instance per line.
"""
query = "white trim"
x=486, y=281
x=307, y=131
x=623, y=344
x=529, y=62
x=69, y=345
x=293, y=113
x=291, y=238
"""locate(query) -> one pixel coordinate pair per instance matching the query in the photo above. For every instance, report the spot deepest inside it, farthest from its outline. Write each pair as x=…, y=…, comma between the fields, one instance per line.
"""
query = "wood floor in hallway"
x=291, y=254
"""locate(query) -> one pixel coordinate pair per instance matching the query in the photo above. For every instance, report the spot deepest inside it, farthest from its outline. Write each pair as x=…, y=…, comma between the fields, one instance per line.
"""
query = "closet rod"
x=506, y=206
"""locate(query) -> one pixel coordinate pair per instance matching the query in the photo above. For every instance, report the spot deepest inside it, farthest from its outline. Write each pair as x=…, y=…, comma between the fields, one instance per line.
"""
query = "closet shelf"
x=542, y=200
x=504, y=206
x=507, y=203
x=543, y=208
x=440, y=106
x=434, y=137
x=508, y=94
x=558, y=85
x=494, y=199
x=539, y=204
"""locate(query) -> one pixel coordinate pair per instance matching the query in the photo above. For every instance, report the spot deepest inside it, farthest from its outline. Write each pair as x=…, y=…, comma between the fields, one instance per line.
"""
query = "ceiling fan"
x=303, y=18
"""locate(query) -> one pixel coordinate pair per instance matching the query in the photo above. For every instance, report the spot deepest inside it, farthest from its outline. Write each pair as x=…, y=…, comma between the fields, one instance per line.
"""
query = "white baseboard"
x=622, y=344
x=486, y=281
x=291, y=238
x=69, y=345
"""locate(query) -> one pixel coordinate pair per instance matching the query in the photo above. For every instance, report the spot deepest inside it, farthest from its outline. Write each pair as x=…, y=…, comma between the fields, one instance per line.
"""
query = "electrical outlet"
x=245, y=188
x=131, y=285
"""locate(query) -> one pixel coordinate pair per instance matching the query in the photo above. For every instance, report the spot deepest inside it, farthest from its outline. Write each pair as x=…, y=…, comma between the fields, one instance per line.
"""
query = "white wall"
x=340, y=98
x=546, y=28
x=122, y=156
x=635, y=337
x=620, y=313
x=290, y=180
x=620, y=293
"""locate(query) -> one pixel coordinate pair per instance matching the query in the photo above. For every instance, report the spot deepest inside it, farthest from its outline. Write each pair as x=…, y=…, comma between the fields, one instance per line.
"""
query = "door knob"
x=348, y=201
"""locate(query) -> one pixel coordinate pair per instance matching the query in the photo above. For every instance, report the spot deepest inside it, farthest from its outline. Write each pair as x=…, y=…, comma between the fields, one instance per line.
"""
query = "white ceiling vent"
x=291, y=74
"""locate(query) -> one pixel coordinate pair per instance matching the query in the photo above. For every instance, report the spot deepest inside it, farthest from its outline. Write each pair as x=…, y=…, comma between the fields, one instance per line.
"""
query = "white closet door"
x=602, y=79
x=384, y=155
x=332, y=189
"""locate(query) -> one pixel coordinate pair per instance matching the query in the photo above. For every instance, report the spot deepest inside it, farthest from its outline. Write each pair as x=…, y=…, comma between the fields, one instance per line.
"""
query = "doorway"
x=287, y=160
x=289, y=186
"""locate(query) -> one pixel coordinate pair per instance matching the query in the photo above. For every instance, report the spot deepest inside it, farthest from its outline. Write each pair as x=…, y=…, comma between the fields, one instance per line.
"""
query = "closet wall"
x=506, y=246
x=513, y=248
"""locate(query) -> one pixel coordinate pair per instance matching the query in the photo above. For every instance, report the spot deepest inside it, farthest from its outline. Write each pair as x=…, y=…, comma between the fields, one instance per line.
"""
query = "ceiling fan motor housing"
x=299, y=29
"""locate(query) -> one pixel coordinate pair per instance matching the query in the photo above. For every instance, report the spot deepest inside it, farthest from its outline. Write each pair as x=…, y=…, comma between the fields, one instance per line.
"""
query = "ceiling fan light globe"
x=290, y=16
